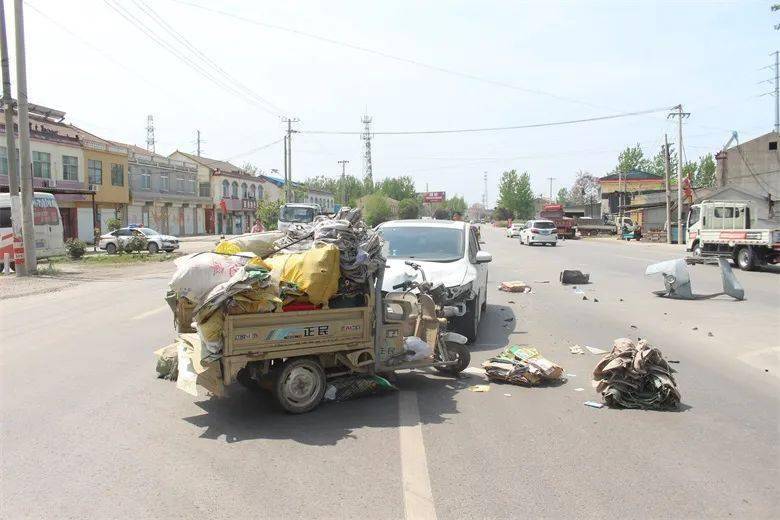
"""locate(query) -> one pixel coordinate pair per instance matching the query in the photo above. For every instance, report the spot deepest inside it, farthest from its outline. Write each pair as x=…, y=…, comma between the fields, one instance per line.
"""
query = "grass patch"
x=117, y=259
x=47, y=270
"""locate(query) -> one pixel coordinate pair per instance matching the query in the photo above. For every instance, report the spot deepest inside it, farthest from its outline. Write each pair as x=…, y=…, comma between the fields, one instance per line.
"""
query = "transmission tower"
x=150, y=133
x=368, y=175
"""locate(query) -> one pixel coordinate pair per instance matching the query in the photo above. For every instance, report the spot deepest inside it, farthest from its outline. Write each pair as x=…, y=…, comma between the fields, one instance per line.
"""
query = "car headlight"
x=460, y=291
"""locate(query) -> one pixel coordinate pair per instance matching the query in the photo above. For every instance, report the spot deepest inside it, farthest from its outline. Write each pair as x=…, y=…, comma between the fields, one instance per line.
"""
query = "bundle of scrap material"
x=522, y=366
x=308, y=267
x=635, y=375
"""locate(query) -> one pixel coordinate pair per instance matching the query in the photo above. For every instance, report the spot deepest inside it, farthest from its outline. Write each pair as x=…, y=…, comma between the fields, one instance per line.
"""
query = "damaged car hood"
x=451, y=274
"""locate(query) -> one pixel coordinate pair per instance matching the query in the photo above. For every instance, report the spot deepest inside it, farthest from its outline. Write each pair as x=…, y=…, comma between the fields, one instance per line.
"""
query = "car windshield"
x=297, y=214
x=147, y=231
x=544, y=225
x=434, y=244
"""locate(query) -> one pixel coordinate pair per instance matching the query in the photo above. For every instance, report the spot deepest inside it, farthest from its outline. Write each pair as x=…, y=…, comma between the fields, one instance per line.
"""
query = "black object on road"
x=571, y=276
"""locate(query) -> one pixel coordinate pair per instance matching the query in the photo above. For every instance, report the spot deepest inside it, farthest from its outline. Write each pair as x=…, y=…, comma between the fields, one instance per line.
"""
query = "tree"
x=352, y=186
x=516, y=195
x=456, y=204
x=376, y=210
x=268, y=213
x=409, y=208
x=525, y=197
x=251, y=169
x=563, y=196
x=507, y=190
x=633, y=158
x=585, y=189
x=501, y=213
x=441, y=214
x=397, y=188
x=705, y=173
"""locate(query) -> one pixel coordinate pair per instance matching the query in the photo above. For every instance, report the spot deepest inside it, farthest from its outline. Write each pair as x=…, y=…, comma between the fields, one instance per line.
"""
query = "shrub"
x=408, y=208
x=441, y=214
x=376, y=210
x=502, y=213
x=113, y=224
x=268, y=213
x=75, y=248
x=135, y=243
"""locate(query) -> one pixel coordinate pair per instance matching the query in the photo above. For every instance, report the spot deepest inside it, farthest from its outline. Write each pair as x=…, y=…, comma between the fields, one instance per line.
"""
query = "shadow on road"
x=497, y=324
x=249, y=415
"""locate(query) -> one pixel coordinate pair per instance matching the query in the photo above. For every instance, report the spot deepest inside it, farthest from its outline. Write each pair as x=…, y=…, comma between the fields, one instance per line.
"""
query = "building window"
x=95, y=169
x=234, y=190
x=41, y=165
x=146, y=180
x=117, y=175
x=773, y=145
x=70, y=168
x=165, y=184
x=225, y=189
x=4, y=162
x=259, y=193
x=180, y=184
x=253, y=191
x=244, y=192
x=205, y=190
x=192, y=184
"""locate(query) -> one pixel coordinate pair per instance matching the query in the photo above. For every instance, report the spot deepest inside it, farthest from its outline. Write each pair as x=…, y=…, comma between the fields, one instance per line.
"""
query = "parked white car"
x=112, y=242
x=449, y=253
x=514, y=230
x=539, y=232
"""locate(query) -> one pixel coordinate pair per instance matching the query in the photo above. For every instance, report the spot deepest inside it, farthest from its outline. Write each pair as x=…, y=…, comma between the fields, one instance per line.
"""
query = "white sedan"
x=155, y=242
x=514, y=230
x=539, y=232
x=449, y=253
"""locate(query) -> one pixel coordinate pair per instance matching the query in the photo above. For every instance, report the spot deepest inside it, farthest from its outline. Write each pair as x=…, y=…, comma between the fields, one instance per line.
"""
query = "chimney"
x=721, y=170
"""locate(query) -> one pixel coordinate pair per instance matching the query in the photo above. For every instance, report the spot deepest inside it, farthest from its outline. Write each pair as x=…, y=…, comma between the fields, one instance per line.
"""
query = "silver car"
x=155, y=242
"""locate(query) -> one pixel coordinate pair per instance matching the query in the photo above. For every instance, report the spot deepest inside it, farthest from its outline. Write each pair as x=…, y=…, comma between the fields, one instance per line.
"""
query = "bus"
x=47, y=224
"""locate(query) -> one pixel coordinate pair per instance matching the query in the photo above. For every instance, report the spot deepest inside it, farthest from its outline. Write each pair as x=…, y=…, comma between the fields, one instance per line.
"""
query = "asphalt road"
x=89, y=432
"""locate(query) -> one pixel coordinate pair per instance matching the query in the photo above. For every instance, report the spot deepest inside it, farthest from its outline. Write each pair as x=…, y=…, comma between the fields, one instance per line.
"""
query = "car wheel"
x=469, y=322
x=697, y=250
x=299, y=385
x=153, y=247
x=111, y=249
x=554, y=244
x=746, y=258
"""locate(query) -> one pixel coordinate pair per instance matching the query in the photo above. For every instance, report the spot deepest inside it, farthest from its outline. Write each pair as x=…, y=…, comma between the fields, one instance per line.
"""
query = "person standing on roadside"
x=258, y=226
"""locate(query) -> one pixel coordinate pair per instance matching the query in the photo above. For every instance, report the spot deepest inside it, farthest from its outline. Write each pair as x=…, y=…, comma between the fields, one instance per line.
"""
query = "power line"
x=389, y=56
x=159, y=20
x=141, y=26
x=253, y=150
x=495, y=129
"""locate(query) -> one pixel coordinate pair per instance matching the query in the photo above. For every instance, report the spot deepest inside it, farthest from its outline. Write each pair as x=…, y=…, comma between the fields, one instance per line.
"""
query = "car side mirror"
x=484, y=257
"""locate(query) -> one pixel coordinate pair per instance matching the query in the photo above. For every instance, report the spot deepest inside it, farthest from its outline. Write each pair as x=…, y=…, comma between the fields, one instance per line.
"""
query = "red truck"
x=554, y=212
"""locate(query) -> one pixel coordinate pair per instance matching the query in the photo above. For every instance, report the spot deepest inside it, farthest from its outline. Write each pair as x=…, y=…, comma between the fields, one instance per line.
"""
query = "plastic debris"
x=571, y=276
x=417, y=349
x=593, y=404
x=522, y=366
x=579, y=389
x=677, y=280
x=351, y=387
x=516, y=286
x=576, y=349
x=636, y=376
x=507, y=395
x=480, y=388
x=594, y=350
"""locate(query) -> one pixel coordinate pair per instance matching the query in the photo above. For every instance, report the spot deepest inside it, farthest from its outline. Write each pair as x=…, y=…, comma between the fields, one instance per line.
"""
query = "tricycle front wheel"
x=299, y=385
x=462, y=357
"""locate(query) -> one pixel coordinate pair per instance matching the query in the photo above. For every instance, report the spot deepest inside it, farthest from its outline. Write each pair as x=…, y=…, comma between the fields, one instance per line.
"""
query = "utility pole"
x=551, y=179
x=777, y=91
x=285, y=168
x=150, y=133
x=28, y=231
x=10, y=141
x=343, y=164
x=197, y=141
x=484, y=197
x=679, y=115
x=368, y=168
x=288, y=158
x=667, y=167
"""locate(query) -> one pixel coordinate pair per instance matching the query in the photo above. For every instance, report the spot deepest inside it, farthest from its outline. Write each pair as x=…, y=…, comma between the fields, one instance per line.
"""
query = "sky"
x=413, y=66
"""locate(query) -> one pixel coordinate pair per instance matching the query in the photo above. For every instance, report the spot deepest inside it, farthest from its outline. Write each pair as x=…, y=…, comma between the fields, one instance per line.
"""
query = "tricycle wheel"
x=299, y=385
x=462, y=354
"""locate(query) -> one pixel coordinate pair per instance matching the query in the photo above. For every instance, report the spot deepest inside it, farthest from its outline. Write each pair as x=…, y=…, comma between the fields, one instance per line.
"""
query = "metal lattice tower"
x=150, y=133
x=368, y=175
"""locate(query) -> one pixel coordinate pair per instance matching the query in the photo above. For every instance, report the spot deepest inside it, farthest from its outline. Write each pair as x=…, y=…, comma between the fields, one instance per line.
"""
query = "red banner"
x=434, y=196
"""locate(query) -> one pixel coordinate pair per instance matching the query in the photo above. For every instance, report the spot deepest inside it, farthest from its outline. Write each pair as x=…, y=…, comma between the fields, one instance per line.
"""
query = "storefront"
x=235, y=216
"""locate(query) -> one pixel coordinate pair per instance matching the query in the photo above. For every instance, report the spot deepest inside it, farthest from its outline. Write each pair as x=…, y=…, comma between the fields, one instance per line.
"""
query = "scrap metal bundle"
x=360, y=247
x=522, y=366
x=636, y=376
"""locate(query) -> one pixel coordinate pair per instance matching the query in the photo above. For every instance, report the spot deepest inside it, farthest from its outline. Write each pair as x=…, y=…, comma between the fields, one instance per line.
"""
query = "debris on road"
x=595, y=300
x=515, y=286
x=695, y=328
x=593, y=404
x=571, y=276
x=633, y=326
x=352, y=387
x=507, y=395
x=522, y=366
x=480, y=388
x=677, y=281
x=710, y=334
x=636, y=376
x=167, y=362
x=576, y=349
x=579, y=389
x=597, y=351
x=542, y=281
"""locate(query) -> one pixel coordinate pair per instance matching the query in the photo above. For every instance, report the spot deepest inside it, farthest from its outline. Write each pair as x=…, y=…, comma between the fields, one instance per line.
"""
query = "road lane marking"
x=418, y=498
x=150, y=313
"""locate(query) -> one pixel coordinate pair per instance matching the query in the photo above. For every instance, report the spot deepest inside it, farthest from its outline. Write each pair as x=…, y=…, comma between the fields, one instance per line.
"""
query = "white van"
x=46, y=222
x=296, y=213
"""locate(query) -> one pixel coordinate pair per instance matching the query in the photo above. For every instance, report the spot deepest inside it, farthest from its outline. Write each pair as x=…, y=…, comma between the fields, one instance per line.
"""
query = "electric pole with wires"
x=288, y=191
x=343, y=164
x=679, y=114
x=198, y=143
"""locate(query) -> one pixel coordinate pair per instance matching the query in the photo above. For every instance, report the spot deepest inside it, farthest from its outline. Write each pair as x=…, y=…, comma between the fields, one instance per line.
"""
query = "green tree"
x=441, y=214
x=409, y=208
x=563, y=196
x=456, y=204
x=268, y=213
x=705, y=172
x=633, y=158
x=352, y=186
x=502, y=213
x=376, y=210
x=113, y=224
x=525, y=197
x=507, y=190
x=397, y=188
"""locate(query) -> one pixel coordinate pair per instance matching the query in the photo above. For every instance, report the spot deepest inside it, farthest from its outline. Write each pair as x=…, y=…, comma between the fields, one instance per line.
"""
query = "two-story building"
x=303, y=193
x=234, y=194
x=620, y=188
x=164, y=193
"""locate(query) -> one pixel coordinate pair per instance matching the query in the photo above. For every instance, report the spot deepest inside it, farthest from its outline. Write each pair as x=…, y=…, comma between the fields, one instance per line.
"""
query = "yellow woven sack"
x=316, y=271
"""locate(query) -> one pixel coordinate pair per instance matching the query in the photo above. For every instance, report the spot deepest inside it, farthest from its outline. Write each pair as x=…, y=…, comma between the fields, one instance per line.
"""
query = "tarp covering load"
x=636, y=376
x=315, y=272
x=522, y=366
x=197, y=274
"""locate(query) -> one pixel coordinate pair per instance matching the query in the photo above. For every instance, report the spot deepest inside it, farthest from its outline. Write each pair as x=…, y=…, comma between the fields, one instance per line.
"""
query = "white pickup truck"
x=730, y=229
